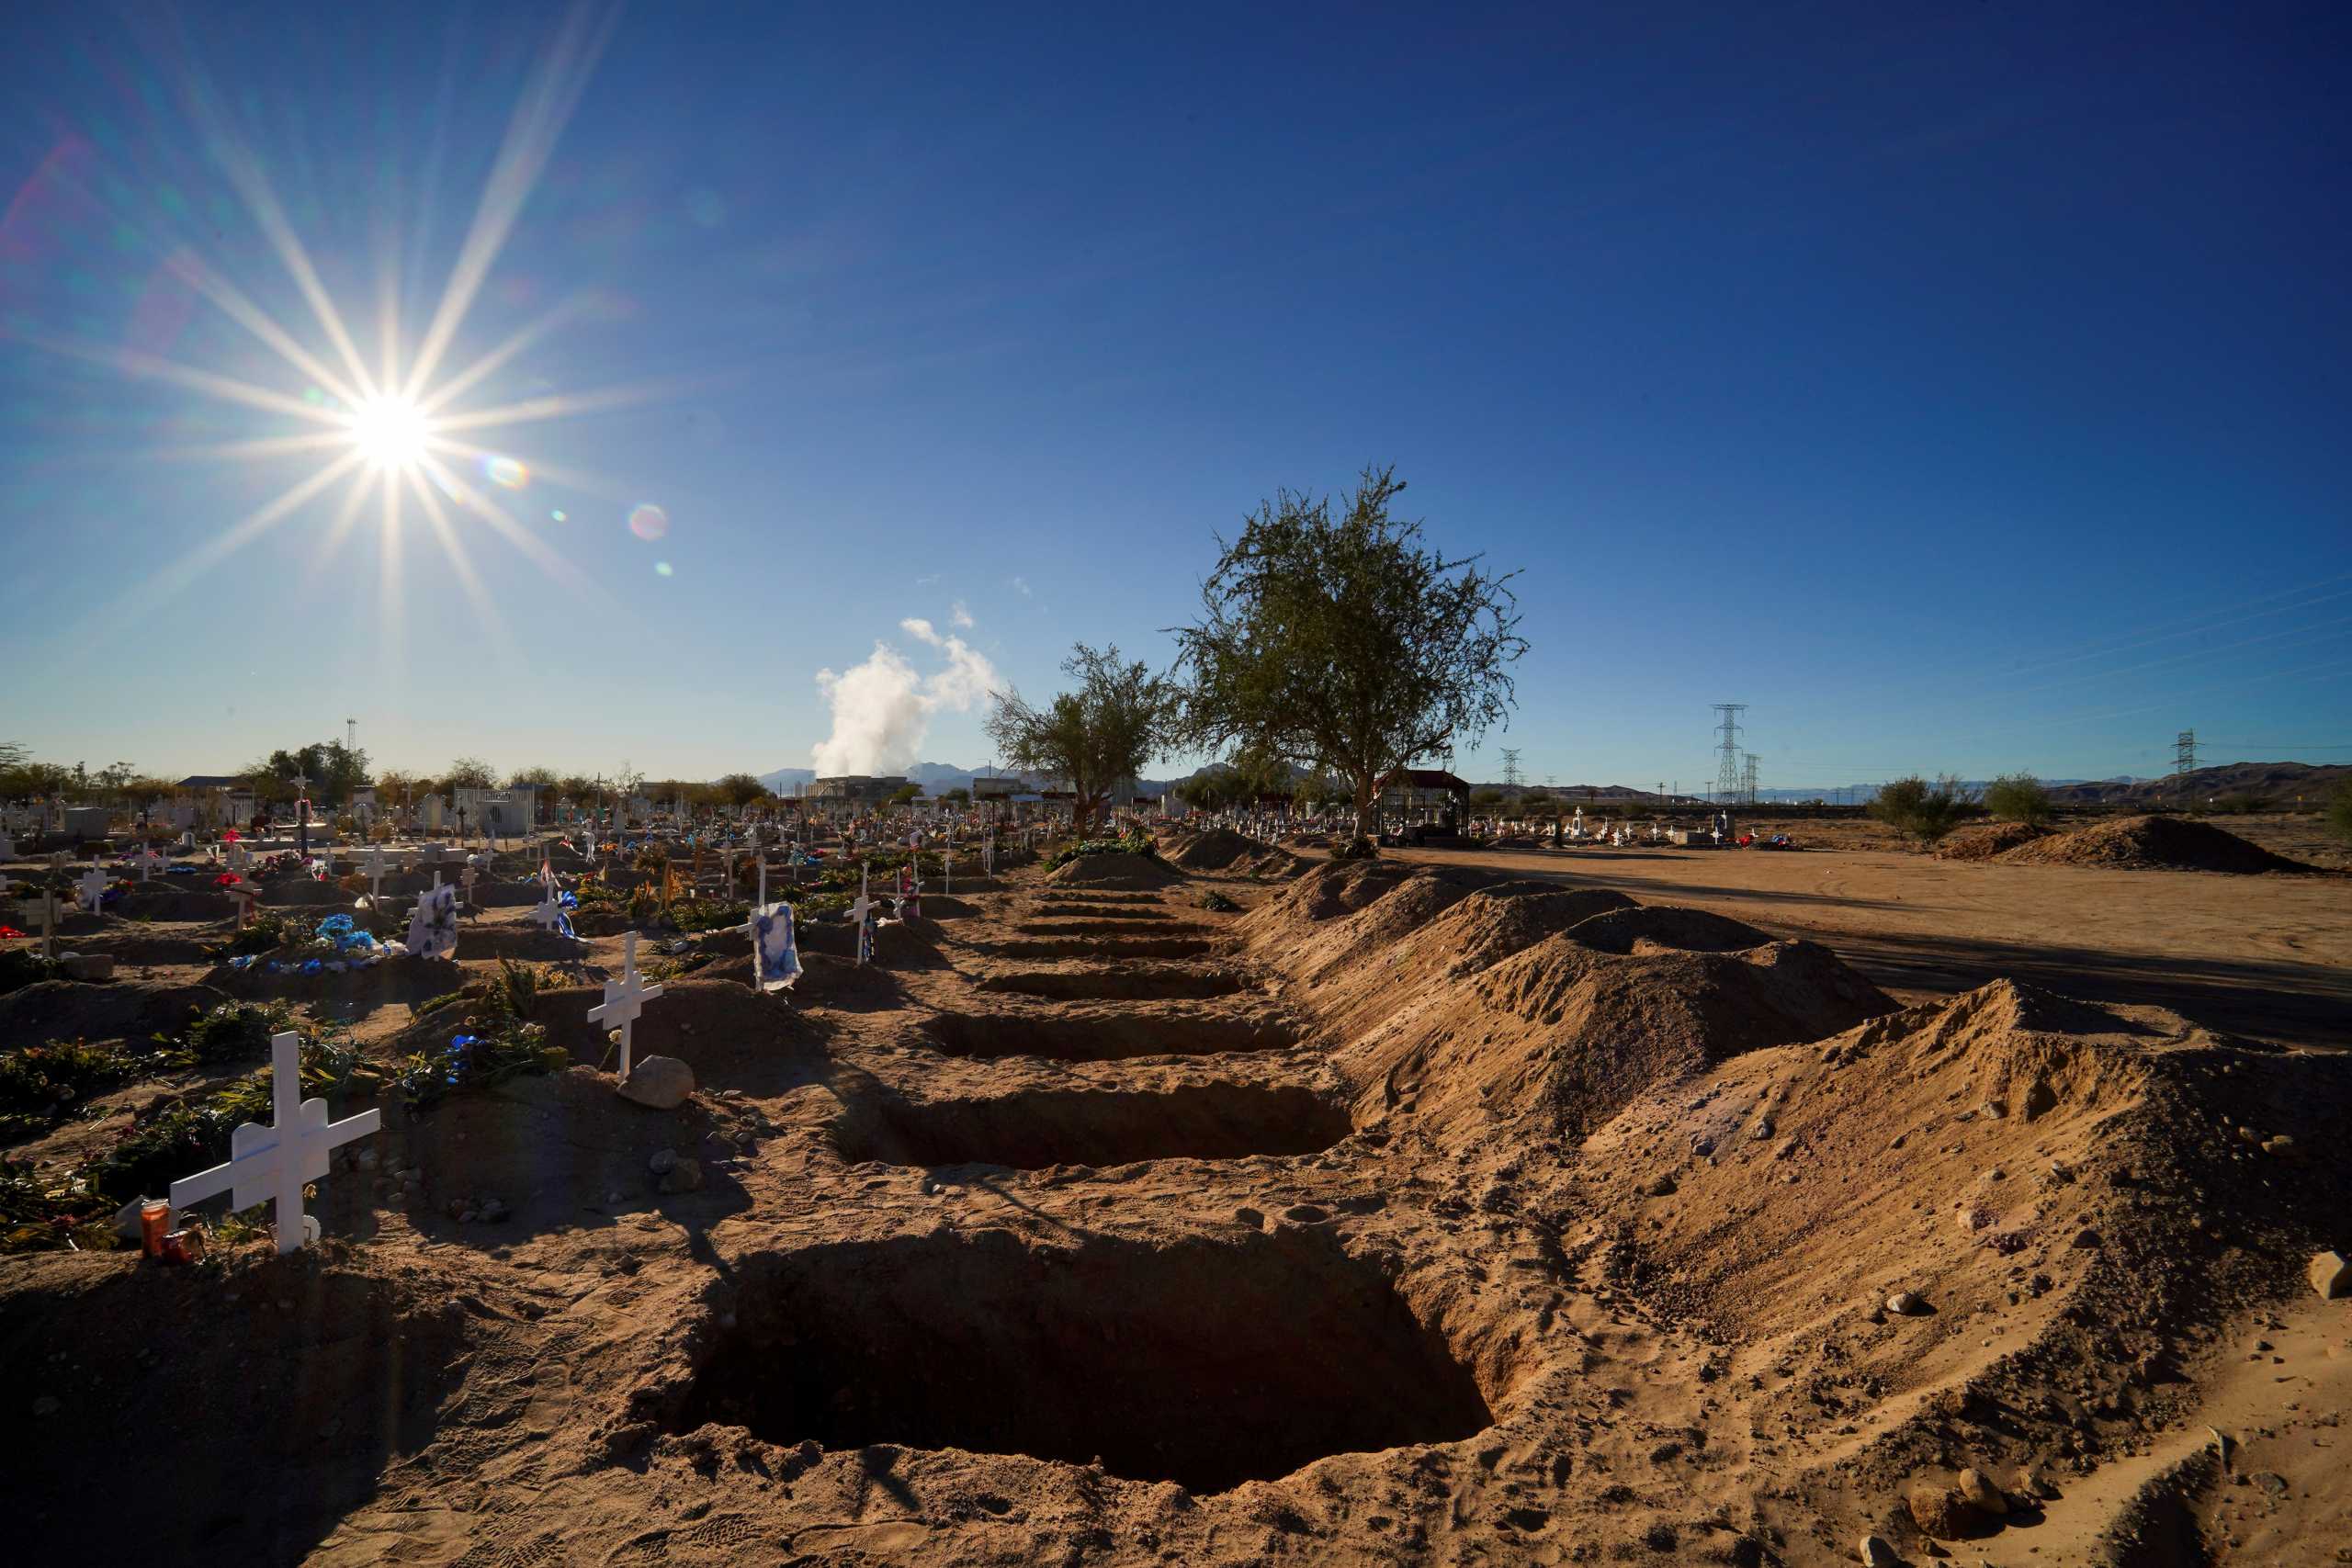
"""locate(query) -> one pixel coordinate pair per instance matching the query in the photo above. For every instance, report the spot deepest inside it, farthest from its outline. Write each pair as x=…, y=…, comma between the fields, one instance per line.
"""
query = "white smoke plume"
x=882, y=708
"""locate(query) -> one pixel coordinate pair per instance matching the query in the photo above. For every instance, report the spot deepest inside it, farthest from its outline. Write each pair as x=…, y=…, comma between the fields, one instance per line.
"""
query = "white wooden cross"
x=375, y=874
x=93, y=887
x=624, y=999
x=548, y=915
x=271, y=1165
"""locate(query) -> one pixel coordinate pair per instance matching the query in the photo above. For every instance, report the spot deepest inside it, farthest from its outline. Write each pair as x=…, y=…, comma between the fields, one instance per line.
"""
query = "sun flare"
x=391, y=433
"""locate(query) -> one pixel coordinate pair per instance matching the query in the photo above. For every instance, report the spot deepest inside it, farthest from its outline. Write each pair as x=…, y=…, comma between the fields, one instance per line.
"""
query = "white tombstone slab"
x=624, y=999
x=273, y=1164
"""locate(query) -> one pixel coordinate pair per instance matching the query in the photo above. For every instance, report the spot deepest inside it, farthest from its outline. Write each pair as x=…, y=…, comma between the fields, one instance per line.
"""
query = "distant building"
x=1423, y=795
x=855, y=789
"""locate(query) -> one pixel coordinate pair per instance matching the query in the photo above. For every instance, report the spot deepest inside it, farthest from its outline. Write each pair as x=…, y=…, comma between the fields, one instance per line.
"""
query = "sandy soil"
x=2266, y=957
x=1688, y=1207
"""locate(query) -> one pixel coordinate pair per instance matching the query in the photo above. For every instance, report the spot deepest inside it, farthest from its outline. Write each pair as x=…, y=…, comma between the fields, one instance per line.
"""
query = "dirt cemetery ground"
x=1510, y=1206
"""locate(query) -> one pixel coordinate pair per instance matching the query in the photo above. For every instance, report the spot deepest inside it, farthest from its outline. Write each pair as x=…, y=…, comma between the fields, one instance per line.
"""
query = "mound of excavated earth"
x=1113, y=870
x=2151, y=843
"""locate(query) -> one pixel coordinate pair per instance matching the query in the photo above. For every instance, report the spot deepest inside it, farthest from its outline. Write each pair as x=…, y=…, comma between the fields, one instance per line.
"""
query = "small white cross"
x=548, y=915
x=271, y=1165
x=374, y=876
x=624, y=999
x=93, y=888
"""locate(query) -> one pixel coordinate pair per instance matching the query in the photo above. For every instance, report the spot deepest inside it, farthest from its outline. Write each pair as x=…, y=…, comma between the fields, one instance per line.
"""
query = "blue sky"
x=1961, y=388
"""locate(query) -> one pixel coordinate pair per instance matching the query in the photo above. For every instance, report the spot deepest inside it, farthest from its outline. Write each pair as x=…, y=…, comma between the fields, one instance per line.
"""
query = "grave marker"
x=92, y=888
x=776, y=951
x=624, y=999
x=433, y=926
x=271, y=1165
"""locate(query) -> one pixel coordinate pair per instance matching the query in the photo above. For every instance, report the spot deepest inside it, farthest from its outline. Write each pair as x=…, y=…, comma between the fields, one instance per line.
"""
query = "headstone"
x=273, y=1164
x=624, y=999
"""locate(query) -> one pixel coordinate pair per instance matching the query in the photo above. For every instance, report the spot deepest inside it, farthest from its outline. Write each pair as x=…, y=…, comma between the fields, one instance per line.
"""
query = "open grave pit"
x=1030, y=1129
x=1107, y=1035
x=1204, y=1362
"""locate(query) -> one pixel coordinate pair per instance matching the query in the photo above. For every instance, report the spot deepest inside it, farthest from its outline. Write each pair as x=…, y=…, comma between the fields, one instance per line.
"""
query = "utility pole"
x=1727, y=753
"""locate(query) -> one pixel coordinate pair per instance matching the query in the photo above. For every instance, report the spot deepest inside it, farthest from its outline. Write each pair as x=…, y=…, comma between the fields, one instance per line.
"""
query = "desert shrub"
x=2018, y=797
x=2339, y=808
x=1926, y=811
x=707, y=914
x=267, y=933
x=1354, y=849
x=2238, y=805
x=1219, y=903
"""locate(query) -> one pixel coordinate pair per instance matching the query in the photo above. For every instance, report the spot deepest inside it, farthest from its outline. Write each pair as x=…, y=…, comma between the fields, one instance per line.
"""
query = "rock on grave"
x=2331, y=1276
x=1940, y=1512
x=1981, y=1493
x=1907, y=1303
x=89, y=966
x=662, y=1082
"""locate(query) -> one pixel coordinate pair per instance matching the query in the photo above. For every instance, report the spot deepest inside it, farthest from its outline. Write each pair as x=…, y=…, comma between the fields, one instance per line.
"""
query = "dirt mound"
x=545, y=1147
x=52, y=1011
x=1215, y=849
x=177, y=903
x=331, y=1307
x=2153, y=843
x=1989, y=841
x=1113, y=870
x=302, y=892
x=406, y=979
x=2065, y=1192
x=733, y=1036
x=1664, y=928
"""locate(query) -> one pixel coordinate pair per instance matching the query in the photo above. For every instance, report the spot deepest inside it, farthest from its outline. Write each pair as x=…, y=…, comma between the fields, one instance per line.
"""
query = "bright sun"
x=390, y=432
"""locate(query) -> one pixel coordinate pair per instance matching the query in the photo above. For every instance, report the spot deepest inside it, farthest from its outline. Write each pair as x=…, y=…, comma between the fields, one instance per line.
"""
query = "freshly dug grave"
x=731, y=1035
x=1092, y=923
x=1233, y=1360
x=1989, y=841
x=1121, y=983
x=177, y=903
x=1032, y=1128
x=2153, y=843
x=1106, y=948
x=407, y=979
x=1108, y=1034
x=1113, y=870
x=1215, y=849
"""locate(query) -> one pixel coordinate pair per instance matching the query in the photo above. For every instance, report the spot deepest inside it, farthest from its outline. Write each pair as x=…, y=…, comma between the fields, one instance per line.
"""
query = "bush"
x=1133, y=845
x=2339, y=808
x=1926, y=811
x=1219, y=903
x=2018, y=797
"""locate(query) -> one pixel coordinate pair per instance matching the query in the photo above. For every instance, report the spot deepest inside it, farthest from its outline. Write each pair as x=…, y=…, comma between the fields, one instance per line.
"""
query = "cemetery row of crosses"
x=816, y=1182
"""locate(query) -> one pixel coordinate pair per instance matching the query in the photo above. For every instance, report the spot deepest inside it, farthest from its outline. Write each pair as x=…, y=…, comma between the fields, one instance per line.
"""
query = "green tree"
x=904, y=794
x=1927, y=811
x=532, y=778
x=2018, y=797
x=1342, y=643
x=1120, y=717
x=739, y=789
x=959, y=796
x=469, y=773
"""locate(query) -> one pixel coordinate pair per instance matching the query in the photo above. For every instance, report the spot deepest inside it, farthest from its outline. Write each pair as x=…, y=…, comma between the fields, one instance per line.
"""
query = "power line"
x=2184, y=759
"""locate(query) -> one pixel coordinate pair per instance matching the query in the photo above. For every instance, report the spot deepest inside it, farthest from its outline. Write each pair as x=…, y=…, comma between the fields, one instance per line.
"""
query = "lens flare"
x=506, y=473
x=649, y=522
x=661, y=569
x=560, y=515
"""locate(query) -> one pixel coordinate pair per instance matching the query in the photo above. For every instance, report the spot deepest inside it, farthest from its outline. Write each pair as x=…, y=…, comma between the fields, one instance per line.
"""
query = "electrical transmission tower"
x=1727, y=752
x=1748, y=778
x=2184, y=761
x=1510, y=769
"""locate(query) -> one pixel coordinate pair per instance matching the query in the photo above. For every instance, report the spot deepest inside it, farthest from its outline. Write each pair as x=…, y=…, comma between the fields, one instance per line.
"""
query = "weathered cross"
x=272, y=1165
x=859, y=913
x=624, y=999
x=375, y=874
x=549, y=914
x=93, y=887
